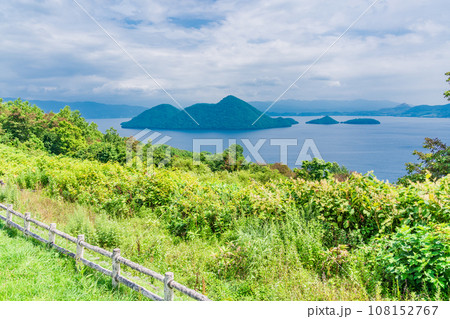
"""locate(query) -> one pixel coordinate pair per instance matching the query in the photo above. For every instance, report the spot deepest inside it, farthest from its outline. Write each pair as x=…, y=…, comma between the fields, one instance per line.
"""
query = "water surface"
x=383, y=148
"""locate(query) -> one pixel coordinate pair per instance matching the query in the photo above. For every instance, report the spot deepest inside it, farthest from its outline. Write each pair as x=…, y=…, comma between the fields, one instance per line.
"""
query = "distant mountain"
x=428, y=111
x=90, y=110
x=326, y=120
x=395, y=111
x=316, y=106
x=230, y=113
x=353, y=108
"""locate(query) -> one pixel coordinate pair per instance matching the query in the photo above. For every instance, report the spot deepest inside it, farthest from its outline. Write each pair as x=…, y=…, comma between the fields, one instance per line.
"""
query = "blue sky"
x=202, y=50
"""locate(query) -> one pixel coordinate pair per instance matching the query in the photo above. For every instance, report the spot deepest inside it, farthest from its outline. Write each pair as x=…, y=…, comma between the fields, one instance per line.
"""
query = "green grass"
x=31, y=271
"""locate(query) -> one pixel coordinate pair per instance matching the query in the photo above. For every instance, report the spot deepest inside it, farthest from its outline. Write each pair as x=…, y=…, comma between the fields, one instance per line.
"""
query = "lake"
x=383, y=148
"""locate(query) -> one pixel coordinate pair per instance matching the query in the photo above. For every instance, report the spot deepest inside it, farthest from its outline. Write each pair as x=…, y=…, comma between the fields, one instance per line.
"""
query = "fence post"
x=168, y=291
x=26, y=223
x=80, y=249
x=115, y=267
x=51, y=234
x=9, y=215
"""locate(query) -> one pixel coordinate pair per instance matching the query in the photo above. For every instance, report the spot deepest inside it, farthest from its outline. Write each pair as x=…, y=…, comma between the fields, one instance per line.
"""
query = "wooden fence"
x=116, y=260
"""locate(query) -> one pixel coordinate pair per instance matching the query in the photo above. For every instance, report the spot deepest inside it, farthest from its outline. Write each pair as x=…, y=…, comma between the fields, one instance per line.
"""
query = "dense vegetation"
x=235, y=230
x=230, y=113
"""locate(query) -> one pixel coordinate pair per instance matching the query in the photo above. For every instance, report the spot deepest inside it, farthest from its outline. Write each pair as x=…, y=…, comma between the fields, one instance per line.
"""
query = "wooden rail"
x=116, y=260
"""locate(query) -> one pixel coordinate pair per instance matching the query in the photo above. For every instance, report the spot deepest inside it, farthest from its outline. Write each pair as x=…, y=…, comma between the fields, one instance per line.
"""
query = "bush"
x=318, y=169
x=417, y=258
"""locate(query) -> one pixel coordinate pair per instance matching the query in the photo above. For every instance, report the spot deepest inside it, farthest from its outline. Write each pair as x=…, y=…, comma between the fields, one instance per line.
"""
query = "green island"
x=363, y=121
x=227, y=228
x=230, y=113
x=326, y=120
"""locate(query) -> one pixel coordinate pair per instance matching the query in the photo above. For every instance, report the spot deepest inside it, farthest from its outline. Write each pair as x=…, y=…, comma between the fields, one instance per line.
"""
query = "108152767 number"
x=395, y=310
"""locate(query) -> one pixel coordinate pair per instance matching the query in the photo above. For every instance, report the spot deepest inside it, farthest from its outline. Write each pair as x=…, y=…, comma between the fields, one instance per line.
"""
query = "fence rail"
x=116, y=260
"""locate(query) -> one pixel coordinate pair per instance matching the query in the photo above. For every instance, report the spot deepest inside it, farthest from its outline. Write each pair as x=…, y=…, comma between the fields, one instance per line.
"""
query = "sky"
x=203, y=50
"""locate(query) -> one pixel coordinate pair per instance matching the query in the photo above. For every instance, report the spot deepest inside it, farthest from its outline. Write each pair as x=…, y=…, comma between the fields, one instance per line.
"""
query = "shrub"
x=318, y=169
x=335, y=260
x=417, y=258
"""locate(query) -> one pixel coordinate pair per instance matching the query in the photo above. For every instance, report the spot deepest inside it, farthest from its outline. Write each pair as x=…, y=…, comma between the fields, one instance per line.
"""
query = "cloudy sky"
x=203, y=50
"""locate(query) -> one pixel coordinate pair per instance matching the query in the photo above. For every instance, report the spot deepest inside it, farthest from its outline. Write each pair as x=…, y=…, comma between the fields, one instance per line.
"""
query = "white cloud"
x=253, y=49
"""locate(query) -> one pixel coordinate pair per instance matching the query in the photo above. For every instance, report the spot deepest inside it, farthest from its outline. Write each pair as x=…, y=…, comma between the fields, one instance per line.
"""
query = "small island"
x=326, y=120
x=362, y=121
x=230, y=113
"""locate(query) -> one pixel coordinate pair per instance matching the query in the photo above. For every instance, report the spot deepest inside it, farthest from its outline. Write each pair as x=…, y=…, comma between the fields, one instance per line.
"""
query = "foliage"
x=63, y=133
x=336, y=258
x=417, y=257
x=318, y=169
x=436, y=164
x=190, y=206
x=447, y=93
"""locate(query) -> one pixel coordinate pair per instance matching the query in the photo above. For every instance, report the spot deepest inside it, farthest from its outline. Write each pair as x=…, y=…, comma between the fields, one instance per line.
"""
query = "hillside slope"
x=30, y=271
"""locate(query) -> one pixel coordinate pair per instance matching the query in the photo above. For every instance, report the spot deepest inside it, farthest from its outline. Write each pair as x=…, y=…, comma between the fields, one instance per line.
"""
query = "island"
x=326, y=120
x=362, y=121
x=230, y=113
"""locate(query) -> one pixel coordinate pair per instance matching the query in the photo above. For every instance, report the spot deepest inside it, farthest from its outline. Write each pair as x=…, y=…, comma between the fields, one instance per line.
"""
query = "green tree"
x=447, y=94
x=318, y=169
x=21, y=120
x=66, y=139
x=436, y=163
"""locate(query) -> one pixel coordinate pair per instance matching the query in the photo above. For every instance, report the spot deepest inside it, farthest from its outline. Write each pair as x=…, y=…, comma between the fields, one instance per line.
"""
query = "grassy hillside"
x=30, y=271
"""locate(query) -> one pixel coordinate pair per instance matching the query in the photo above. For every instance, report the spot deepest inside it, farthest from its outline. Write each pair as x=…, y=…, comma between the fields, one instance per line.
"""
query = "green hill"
x=326, y=120
x=230, y=113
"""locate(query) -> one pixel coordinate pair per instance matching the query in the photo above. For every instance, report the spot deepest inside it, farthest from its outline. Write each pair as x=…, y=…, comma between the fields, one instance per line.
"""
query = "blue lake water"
x=383, y=148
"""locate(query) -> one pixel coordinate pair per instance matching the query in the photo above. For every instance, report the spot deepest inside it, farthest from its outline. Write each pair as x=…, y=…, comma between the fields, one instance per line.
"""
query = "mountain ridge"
x=291, y=107
x=401, y=110
x=88, y=109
